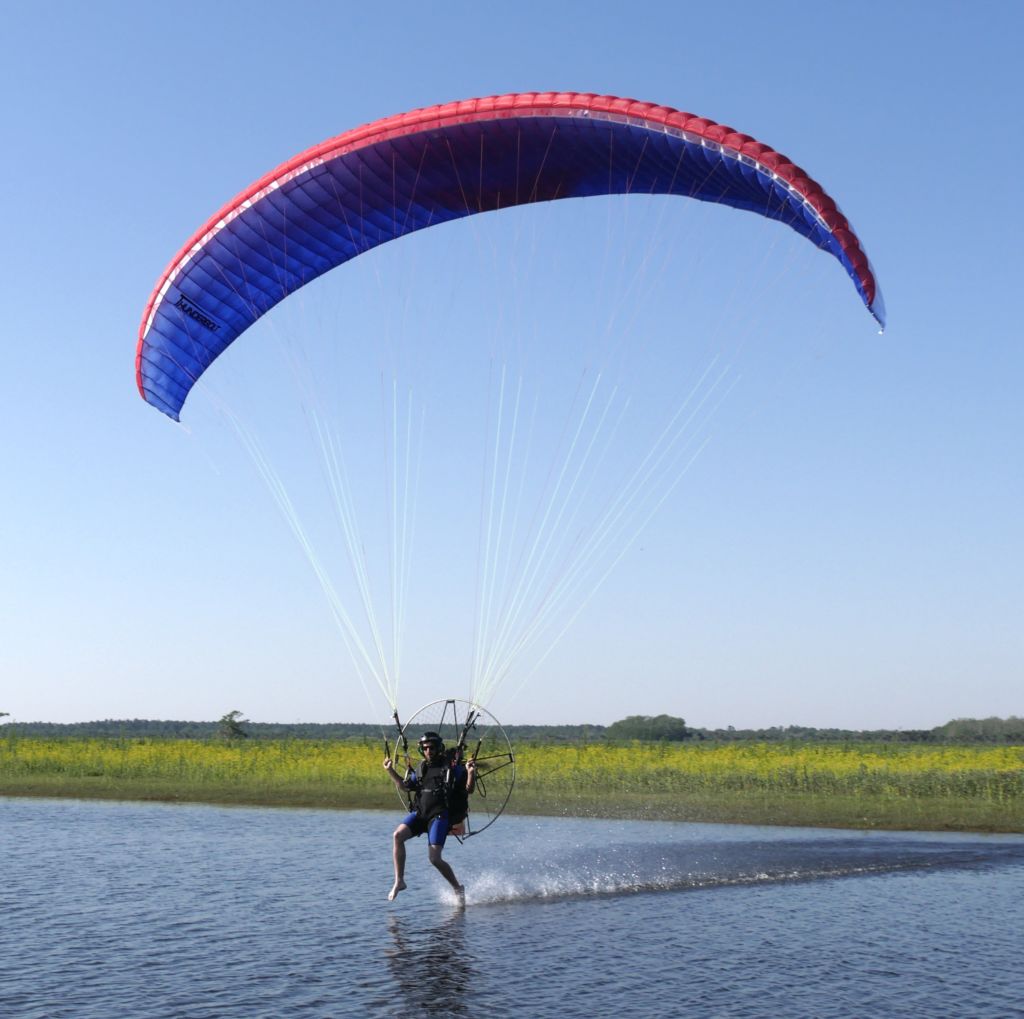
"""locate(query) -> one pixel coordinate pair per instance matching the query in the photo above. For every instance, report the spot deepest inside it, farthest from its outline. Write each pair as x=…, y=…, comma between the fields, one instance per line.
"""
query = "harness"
x=439, y=789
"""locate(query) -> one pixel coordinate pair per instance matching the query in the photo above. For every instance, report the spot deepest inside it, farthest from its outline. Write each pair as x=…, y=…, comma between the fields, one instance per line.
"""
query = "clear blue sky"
x=847, y=551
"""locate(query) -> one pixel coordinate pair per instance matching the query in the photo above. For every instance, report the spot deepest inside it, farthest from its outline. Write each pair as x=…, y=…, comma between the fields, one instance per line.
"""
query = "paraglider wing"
x=415, y=170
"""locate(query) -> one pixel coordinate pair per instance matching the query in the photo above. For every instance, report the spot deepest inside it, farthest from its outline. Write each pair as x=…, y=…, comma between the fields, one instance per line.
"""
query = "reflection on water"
x=142, y=910
x=431, y=964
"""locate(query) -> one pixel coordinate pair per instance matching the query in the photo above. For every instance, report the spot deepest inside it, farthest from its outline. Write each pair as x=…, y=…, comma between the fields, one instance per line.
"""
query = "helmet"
x=433, y=740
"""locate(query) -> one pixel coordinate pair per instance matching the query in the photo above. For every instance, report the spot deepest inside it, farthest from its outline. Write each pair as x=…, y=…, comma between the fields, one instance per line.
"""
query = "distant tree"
x=982, y=730
x=230, y=726
x=649, y=728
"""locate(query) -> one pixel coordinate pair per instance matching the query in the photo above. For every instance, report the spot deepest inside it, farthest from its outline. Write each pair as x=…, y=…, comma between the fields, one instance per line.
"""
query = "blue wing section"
x=263, y=249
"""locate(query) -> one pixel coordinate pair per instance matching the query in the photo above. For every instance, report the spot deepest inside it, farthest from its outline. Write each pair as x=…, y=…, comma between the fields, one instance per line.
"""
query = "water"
x=138, y=910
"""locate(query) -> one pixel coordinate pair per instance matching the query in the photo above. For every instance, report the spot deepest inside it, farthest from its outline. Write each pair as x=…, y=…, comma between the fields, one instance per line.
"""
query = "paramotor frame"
x=473, y=734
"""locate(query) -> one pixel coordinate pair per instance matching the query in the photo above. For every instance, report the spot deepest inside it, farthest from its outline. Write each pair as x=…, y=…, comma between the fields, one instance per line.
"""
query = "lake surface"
x=138, y=910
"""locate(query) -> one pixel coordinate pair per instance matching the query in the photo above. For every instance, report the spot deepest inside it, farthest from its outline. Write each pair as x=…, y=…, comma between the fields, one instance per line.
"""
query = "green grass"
x=838, y=785
x=796, y=809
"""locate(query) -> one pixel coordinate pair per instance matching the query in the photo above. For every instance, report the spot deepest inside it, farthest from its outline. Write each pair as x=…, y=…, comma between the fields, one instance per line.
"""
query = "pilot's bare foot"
x=460, y=894
x=393, y=894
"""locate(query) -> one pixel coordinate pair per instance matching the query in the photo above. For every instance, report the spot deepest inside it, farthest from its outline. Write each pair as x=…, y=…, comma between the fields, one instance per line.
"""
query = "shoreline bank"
x=841, y=785
x=754, y=808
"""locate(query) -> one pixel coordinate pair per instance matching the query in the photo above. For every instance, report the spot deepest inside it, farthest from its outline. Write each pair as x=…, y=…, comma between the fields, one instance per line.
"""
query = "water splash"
x=617, y=870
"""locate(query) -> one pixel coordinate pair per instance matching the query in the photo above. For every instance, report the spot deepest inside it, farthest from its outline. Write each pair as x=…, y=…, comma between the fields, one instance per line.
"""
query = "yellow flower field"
x=195, y=762
x=887, y=769
x=861, y=784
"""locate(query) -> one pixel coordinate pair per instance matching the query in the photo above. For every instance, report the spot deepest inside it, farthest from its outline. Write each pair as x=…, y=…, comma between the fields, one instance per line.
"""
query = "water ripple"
x=132, y=910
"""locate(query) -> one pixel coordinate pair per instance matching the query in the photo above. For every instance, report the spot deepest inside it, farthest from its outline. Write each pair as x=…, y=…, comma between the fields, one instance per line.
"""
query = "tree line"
x=647, y=728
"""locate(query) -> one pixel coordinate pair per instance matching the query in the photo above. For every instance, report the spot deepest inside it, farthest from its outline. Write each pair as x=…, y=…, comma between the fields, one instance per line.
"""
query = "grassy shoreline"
x=795, y=810
x=858, y=786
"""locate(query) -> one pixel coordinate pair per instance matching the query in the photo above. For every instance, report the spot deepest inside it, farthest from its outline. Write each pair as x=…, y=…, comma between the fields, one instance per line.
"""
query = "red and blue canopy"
x=417, y=169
